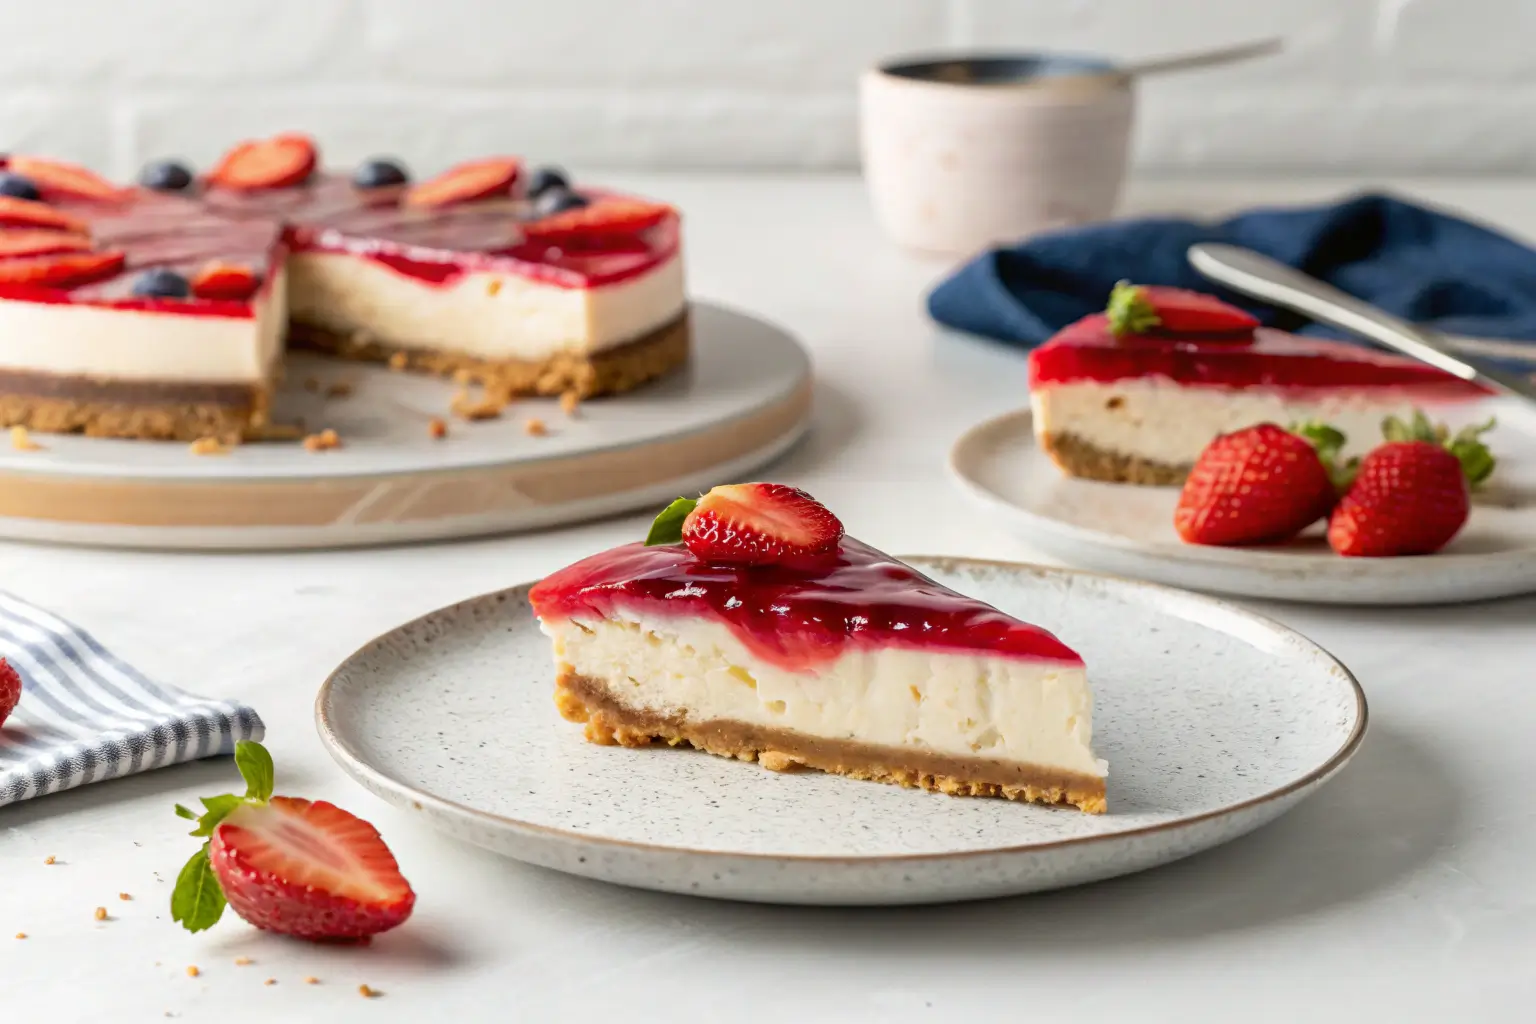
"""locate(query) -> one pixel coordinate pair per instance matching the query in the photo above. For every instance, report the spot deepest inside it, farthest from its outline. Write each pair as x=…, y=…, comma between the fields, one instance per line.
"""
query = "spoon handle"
x=1203, y=59
x=1251, y=273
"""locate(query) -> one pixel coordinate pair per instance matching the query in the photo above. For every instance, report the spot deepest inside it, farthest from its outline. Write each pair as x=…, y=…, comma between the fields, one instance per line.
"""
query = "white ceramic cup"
x=964, y=152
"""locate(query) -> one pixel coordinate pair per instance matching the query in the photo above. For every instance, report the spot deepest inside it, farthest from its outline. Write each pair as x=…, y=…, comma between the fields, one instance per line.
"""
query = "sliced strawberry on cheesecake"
x=278, y=162
x=56, y=179
x=467, y=182
x=297, y=867
x=749, y=626
x=607, y=215
x=65, y=270
x=29, y=213
x=1155, y=309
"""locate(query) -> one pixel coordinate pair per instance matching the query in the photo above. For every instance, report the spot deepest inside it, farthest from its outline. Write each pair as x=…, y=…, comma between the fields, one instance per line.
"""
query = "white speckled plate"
x=1214, y=721
x=1128, y=530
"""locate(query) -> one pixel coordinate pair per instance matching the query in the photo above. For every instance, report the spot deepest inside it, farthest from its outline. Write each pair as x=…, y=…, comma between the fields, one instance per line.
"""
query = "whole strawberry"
x=10, y=690
x=1411, y=495
x=301, y=868
x=1258, y=485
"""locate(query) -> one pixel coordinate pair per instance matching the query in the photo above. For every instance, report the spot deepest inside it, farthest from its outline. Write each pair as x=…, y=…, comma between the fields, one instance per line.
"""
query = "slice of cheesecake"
x=766, y=634
x=1133, y=402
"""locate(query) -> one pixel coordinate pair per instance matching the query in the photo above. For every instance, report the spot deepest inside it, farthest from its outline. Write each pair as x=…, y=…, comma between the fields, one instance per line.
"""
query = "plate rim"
x=1187, y=554
x=355, y=765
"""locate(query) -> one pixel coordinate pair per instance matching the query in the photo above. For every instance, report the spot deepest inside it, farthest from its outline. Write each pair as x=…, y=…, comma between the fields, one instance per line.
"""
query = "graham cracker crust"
x=610, y=722
x=1077, y=457
x=149, y=420
x=602, y=373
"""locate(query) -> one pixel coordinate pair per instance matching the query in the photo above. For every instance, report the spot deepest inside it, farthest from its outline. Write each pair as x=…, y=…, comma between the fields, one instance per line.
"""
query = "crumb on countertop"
x=22, y=441
x=311, y=980
x=21, y=935
x=209, y=446
x=124, y=896
x=323, y=441
x=49, y=859
x=487, y=408
x=270, y=981
x=437, y=427
x=101, y=913
x=366, y=992
x=192, y=971
x=243, y=961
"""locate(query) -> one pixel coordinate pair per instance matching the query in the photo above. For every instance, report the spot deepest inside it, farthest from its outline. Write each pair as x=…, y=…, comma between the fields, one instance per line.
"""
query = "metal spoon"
x=1251, y=273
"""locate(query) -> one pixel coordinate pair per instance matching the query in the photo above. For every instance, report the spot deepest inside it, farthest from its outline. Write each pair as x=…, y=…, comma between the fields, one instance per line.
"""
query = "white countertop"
x=1406, y=888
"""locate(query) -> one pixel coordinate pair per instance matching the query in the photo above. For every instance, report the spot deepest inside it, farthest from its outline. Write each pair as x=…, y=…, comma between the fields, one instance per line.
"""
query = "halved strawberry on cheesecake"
x=750, y=626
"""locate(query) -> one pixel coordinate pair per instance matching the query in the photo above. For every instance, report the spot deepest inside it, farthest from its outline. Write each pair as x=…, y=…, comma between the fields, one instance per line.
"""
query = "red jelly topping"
x=186, y=231
x=1088, y=351
x=795, y=617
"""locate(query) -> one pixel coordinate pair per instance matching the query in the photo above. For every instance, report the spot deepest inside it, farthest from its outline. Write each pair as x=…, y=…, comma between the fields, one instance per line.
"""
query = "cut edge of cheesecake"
x=610, y=721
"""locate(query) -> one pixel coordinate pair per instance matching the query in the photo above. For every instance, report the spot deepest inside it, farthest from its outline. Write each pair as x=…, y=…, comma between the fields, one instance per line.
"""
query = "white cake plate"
x=1214, y=721
x=743, y=400
x=1128, y=531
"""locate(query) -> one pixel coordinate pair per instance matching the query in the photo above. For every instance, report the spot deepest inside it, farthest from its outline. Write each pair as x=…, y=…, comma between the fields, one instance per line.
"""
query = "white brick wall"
x=1370, y=85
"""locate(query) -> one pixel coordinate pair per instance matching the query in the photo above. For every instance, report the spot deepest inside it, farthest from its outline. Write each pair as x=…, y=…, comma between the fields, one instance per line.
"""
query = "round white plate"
x=743, y=399
x=1214, y=721
x=1128, y=531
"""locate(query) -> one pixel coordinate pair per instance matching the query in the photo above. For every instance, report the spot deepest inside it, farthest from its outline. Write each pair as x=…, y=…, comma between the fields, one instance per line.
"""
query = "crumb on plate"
x=209, y=446
x=22, y=441
x=323, y=441
x=534, y=427
x=437, y=427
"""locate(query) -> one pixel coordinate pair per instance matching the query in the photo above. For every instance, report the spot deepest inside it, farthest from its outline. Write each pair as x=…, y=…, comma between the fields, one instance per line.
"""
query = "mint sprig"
x=198, y=902
x=667, y=528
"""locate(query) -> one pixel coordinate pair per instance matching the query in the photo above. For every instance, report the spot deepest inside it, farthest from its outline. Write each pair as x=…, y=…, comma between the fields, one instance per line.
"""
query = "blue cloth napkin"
x=1425, y=266
x=87, y=715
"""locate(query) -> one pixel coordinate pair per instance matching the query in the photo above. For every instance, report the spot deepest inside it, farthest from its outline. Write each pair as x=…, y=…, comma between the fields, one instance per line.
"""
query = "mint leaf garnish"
x=218, y=808
x=256, y=769
x=197, y=902
x=667, y=528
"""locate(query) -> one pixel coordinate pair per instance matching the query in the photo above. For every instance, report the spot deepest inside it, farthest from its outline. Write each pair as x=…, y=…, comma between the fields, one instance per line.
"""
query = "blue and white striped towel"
x=87, y=715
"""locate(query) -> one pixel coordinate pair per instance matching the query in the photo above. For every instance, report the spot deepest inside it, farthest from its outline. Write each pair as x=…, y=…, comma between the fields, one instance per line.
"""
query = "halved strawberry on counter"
x=750, y=524
x=606, y=215
x=10, y=690
x=296, y=867
x=1154, y=309
x=278, y=162
x=466, y=182
x=63, y=270
x=56, y=179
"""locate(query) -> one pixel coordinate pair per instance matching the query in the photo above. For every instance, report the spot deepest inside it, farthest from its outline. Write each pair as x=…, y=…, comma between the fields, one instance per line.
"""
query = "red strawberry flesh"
x=60, y=271
x=10, y=690
x=1156, y=310
x=1253, y=486
x=310, y=870
x=30, y=213
x=225, y=281
x=605, y=216
x=277, y=162
x=39, y=242
x=1408, y=498
x=760, y=524
x=57, y=179
x=478, y=179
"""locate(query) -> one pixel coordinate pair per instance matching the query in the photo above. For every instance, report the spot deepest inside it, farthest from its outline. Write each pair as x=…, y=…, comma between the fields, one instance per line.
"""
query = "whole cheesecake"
x=838, y=658
x=162, y=310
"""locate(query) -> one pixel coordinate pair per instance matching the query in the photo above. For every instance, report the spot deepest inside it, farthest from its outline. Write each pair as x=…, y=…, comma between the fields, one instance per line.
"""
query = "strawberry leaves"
x=1129, y=312
x=197, y=902
x=667, y=528
x=1477, y=461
